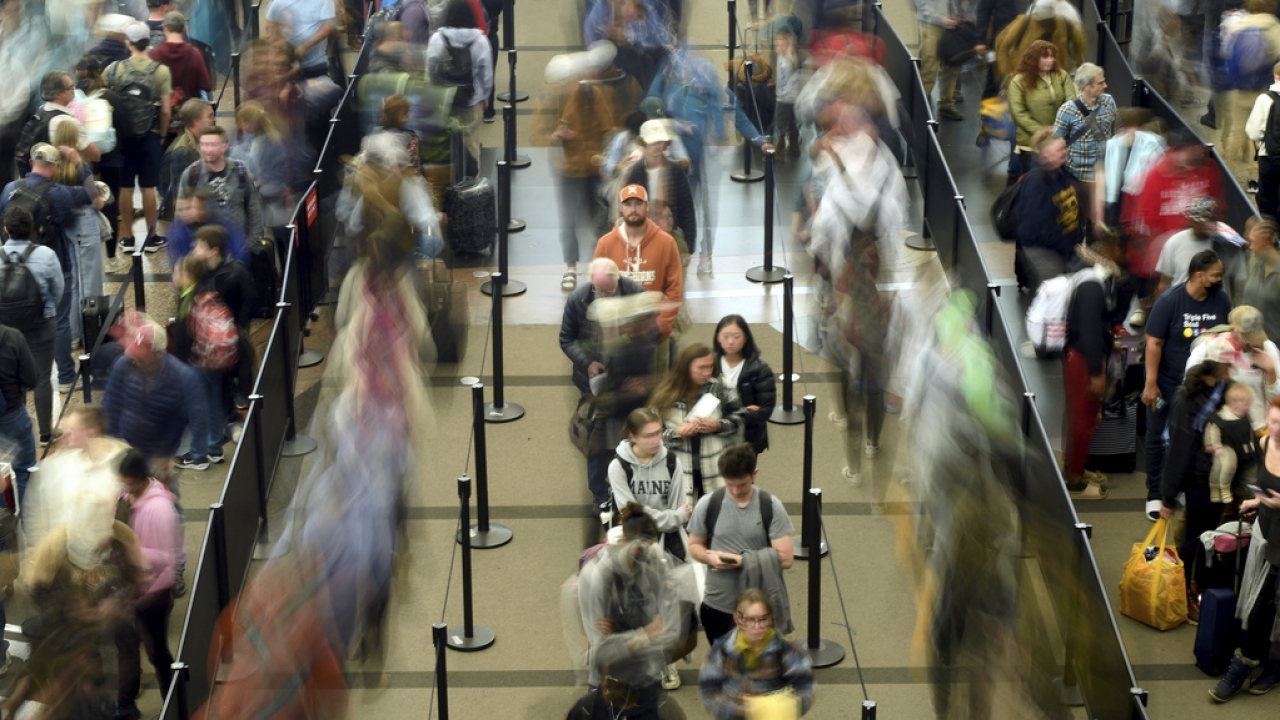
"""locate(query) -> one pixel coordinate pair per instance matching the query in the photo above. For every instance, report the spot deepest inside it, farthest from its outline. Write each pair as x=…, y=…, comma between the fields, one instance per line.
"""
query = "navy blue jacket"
x=577, y=334
x=150, y=412
x=63, y=200
x=1049, y=212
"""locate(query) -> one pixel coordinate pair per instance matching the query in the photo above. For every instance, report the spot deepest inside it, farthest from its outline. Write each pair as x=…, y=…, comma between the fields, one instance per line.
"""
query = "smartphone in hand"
x=728, y=560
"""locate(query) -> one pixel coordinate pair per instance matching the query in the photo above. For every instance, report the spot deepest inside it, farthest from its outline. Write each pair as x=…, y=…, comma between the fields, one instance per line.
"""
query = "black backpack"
x=766, y=513
x=458, y=73
x=21, y=303
x=35, y=200
x=1271, y=137
x=139, y=105
x=35, y=131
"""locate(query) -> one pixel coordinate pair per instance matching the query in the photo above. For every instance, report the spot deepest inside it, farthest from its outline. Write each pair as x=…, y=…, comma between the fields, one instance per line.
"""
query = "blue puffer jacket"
x=151, y=411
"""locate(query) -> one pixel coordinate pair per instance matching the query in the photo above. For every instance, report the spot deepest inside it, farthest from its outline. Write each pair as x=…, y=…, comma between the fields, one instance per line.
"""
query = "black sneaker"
x=125, y=243
x=1266, y=680
x=216, y=458
x=156, y=243
x=192, y=462
x=1253, y=187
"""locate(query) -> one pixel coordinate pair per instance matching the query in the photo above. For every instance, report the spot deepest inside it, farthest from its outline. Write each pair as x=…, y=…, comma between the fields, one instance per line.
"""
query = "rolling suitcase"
x=1114, y=448
x=1034, y=265
x=448, y=315
x=1219, y=631
x=262, y=266
x=469, y=205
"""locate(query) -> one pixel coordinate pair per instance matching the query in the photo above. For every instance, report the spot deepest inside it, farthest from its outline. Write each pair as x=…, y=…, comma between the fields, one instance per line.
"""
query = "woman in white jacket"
x=455, y=51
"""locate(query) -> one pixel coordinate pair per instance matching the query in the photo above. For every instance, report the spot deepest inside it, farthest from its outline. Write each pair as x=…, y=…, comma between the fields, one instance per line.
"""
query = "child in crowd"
x=785, y=129
x=1229, y=437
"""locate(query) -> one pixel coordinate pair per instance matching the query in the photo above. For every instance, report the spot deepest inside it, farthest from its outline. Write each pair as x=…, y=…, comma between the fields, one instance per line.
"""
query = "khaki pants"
x=1235, y=146
x=931, y=64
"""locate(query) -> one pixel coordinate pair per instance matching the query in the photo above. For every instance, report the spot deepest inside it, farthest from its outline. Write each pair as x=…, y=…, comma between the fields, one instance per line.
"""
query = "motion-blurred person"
x=36, y=323
x=392, y=53
x=1127, y=159
x=154, y=521
x=227, y=179
x=1182, y=175
x=1054, y=21
x=1087, y=122
x=578, y=115
x=1178, y=317
x=111, y=27
x=1258, y=587
x=261, y=146
x=152, y=397
x=752, y=661
x=17, y=375
x=631, y=611
x=786, y=131
x=194, y=212
x=101, y=128
x=1039, y=86
x=186, y=66
x=624, y=147
x=1262, y=361
x=745, y=540
x=394, y=121
x=739, y=364
x=992, y=17
x=665, y=181
x=935, y=17
x=646, y=254
x=582, y=343
x=1049, y=219
x=306, y=25
x=1203, y=232
x=1263, y=129
x=195, y=115
x=1088, y=350
x=1258, y=33
x=702, y=417
x=639, y=29
x=145, y=120
x=1261, y=285
x=458, y=57
x=82, y=233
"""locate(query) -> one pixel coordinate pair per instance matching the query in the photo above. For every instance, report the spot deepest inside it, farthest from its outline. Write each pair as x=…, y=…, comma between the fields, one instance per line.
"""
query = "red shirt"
x=1166, y=193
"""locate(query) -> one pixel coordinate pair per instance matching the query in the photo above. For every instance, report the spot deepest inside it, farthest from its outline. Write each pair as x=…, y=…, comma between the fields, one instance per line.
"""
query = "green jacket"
x=1037, y=107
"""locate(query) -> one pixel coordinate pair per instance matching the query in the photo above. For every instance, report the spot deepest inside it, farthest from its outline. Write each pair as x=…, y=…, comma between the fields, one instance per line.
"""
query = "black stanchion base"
x=783, y=415
x=515, y=225
x=923, y=241
x=762, y=274
x=521, y=96
x=496, y=537
x=519, y=162
x=310, y=358
x=827, y=653
x=802, y=553
x=297, y=447
x=505, y=414
x=481, y=638
x=509, y=288
x=747, y=177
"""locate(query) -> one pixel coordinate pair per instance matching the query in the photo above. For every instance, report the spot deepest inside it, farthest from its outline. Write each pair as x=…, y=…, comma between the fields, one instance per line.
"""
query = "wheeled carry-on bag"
x=469, y=205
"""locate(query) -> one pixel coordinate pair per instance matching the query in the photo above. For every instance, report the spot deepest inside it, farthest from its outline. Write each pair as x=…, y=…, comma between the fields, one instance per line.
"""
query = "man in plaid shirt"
x=1086, y=123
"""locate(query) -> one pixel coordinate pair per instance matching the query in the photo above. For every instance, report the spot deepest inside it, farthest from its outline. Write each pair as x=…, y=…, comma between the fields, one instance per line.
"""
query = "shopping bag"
x=781, y=705
x=997, y=122
x=1153, y=589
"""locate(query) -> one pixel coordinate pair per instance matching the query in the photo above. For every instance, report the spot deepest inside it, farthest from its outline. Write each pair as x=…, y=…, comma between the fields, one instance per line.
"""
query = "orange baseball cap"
x=633, y=191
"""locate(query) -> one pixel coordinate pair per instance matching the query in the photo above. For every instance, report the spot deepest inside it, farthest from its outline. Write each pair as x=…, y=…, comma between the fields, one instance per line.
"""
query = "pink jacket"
x=154, y=520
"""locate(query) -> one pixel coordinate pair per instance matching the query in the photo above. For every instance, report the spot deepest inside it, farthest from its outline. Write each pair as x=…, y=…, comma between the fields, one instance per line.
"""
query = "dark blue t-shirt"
x=1178, y=319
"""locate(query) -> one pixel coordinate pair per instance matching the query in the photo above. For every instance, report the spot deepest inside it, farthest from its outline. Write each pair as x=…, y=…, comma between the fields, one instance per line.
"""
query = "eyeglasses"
x=762, y=621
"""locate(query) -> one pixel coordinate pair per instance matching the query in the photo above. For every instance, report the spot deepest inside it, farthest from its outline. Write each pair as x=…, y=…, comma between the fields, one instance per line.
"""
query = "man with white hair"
x=580, y=342
x=1087, y=123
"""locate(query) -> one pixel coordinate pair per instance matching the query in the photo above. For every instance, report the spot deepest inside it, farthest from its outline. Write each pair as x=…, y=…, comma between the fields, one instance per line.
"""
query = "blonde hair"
x=68, y=134
x=254, y=112
x=1239, y=390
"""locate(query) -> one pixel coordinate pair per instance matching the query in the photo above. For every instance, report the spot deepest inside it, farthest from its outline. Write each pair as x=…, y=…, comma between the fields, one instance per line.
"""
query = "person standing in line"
x=739, y=364
x=1087, y=122
x=17, y=376
x=1263, y=128
x=935, y=17
x=142, y=143
x=1036, y=91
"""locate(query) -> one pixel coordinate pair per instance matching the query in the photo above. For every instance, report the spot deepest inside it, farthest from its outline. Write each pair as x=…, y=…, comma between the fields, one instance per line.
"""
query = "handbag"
x=588, y=430
x=1153, y=589
x=956, y=46
x=1004, y=211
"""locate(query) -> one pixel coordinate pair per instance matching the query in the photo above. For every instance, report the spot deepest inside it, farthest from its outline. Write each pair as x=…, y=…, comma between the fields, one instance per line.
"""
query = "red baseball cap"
x=633, y=191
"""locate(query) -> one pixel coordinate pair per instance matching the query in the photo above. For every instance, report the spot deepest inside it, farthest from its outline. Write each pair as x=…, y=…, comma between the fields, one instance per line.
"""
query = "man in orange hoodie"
x=649, y=256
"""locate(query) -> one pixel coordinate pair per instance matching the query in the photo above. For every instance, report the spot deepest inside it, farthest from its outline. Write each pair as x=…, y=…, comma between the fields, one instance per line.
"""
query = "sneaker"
x=704, y=265
x=871, y=449
x=127, y=711
x=45, y=440
x=1253, y=187
x=839, y=421
x=1153, y=510
x=156, y=243
x=1231, y=683
x=1209, y=121
x=852, y=477
x=179, y=586
x=126, y=243
x=670, y=678
x=117, y=265
x=192, y=462
x=1266, y=680
x=216, y=458
x=1138, y=318
x=605, y=511
x=950, y=113
x=66, y=387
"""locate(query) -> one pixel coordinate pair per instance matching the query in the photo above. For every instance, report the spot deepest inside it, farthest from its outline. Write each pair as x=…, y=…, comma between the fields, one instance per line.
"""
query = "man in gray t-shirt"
x=1201, y=234
x=738, y=531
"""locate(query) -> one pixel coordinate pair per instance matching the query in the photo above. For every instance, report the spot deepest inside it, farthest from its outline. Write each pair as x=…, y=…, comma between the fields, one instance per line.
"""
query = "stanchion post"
x=733, y=44
x=181, y=673
x=748, y=174
x=500, y=279
x=499, y=411
x=295, y=444
x=222, y=568
x=438, y=633
x=257, y=31
x=484, y=535
x=868, y=710
x=768, y=273
x=254, y=428
x=509, y=44
x=514, y=160
x=807, y=518
x=787, y=412
x=139, y=282
x=235, y=77
x=468, y=637
x=822, y=653
x=302, y=259
x=85, y=374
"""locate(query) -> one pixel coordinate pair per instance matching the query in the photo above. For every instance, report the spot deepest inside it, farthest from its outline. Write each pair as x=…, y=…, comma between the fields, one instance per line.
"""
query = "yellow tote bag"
x=781, y=705
x=1154, y=592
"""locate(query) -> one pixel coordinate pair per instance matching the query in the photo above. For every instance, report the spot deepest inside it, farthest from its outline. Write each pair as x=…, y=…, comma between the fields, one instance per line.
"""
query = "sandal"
x=1089, y=491
x=1097, y=478
x=569, y=281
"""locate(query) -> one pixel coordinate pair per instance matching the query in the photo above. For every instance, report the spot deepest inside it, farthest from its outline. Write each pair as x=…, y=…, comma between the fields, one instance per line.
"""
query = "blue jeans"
x=1156, y=421
x=62, y=342
x=15, y=425
x=211, y=444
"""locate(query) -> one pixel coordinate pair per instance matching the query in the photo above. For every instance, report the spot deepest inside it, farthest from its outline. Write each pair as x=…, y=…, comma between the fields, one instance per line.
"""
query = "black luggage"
x=448, y=313
x=1219, y=632
x=262, y=266
x=1034, y=265
x=1114, y=448
x=93, y=314
x=469, y=205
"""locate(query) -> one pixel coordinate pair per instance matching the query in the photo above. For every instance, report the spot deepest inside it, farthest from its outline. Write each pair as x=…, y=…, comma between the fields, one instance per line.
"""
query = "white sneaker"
x=839, y=421
x=852, y=477
x=1153, y=510
x=1138, y=318
x=670, y=678
x=872, y=449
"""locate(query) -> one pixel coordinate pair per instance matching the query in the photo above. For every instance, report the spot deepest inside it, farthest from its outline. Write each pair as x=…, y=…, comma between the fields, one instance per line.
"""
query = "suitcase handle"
x=457, y=153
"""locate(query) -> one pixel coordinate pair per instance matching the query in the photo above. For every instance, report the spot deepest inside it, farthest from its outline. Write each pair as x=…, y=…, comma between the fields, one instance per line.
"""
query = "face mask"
x=1214, y=288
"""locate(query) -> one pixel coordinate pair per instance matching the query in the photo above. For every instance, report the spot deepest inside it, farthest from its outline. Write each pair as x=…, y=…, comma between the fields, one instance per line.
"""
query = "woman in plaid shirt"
x=753, y=659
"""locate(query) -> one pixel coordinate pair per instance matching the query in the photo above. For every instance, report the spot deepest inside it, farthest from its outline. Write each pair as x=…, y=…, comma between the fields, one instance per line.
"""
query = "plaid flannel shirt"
x=1086, y=151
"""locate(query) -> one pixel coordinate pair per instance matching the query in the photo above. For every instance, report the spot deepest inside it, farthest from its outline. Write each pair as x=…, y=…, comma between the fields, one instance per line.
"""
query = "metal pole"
x=85, y=375
x=499, y=279
x=438, y=634
x=748, y=175
x=733, y=44
x=768, y=273
x=822, y=653
x=235, y=77
x=787, y=412
x=139, y=284
x=484, y=535
x=254, y=428
x=808, y=520
x=469, y=637
x=499, y=411
x=868, y=710
x=509, y=41
x=295, y=445
x=514, y=160
x=221, y=566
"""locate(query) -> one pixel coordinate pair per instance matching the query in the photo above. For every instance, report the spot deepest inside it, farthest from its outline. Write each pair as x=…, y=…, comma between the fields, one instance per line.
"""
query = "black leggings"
x=1256, y=644
x=716, y=624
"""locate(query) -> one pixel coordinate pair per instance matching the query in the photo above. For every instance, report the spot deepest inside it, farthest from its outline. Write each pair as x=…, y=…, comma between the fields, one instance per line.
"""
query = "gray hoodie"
x=662, y=495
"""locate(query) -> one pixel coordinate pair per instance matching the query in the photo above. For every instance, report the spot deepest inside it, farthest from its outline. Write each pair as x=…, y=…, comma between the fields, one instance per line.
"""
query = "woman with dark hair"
x=1187, y=464
x=739, y=364
x=1036, y=91
x=698, y=430
x=457, y=50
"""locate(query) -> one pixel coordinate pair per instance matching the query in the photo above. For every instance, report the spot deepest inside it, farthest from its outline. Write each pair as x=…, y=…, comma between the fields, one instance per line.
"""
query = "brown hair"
x=676, y=384
x=752, y=597
x=214, y=130
x=214, y=236
x=92, y=416
x=1255, y=7
x=395, y=112
x=1029, y=65
x=638, y=418
x=191, y=111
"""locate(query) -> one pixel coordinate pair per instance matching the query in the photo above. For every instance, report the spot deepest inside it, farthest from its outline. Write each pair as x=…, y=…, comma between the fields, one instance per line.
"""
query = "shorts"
x=140, y=160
